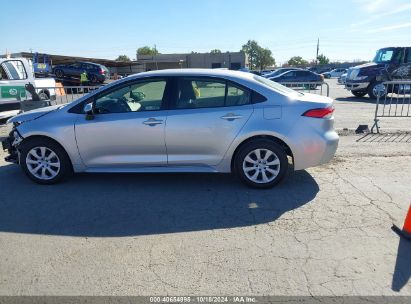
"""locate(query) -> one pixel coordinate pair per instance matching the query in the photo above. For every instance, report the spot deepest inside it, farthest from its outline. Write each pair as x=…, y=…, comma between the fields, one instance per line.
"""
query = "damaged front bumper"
x=11, y=144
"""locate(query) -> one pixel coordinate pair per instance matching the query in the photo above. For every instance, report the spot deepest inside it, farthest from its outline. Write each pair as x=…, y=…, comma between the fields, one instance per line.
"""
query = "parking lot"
x=323, y=231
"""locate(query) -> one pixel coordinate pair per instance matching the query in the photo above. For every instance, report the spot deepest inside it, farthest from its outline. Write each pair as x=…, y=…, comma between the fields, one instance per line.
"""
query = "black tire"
x=65, y=169
x=59, y=73
x=44, y=95
x=359, y=93
x=279, y=154
x=372, y=88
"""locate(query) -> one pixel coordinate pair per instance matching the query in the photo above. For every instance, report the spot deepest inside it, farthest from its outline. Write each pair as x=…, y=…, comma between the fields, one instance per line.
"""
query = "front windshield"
x=384, y=56
x=276, y=86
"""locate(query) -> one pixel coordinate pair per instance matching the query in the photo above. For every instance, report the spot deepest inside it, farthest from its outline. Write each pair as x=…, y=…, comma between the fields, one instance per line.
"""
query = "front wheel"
x=44, y=161
x=359, y=93
x=377, y=88
x=261, y=164
x=59, y=73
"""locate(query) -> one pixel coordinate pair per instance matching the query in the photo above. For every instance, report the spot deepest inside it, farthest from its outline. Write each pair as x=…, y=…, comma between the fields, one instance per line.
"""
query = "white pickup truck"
x=15, y=73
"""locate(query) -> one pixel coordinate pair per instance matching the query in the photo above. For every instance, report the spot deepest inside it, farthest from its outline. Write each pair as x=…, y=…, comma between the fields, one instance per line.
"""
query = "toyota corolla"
x=178, y=121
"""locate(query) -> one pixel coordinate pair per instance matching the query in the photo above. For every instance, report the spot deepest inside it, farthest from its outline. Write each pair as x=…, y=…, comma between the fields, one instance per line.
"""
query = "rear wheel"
x=359, y=93
x=261, y=164
x=44, y=95
x=44, y=161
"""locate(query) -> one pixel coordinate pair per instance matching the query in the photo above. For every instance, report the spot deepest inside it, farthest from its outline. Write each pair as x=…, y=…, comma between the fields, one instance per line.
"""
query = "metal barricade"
x=50, y=96
x=393, y=100
x=310, y=87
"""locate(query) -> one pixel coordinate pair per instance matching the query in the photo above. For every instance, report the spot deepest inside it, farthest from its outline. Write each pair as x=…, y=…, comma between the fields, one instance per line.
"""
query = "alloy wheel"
x=43, y=163
x=261, y=166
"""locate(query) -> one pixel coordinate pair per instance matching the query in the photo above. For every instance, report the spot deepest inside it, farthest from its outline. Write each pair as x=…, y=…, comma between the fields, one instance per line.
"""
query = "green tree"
x=322, y=59
x=146, y=50
x=123, y=58
x=297, y=60
x=215, y=51
x=264, y=59
x=258, y=57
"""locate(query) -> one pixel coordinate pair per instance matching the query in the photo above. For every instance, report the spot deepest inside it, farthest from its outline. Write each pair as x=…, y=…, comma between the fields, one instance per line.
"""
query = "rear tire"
x=44, y=161
x=261, y=164
x=359, y=93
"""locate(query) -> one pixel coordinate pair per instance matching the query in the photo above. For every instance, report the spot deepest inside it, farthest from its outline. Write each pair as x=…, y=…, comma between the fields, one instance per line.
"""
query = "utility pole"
x=318, y=48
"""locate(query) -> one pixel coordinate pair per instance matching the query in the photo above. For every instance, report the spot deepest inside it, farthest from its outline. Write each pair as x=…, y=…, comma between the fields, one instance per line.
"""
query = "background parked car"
x=279, y=72
x=299, y=76
x=96, y=73
x=342, y=79
x=334, y=73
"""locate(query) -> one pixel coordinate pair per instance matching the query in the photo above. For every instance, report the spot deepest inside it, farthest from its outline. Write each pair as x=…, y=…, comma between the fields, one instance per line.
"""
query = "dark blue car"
x=297, y=77
x=96, y=73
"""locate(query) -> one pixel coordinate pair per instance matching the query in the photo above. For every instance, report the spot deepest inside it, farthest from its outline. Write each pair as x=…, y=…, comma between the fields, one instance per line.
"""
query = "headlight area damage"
x=11, y=145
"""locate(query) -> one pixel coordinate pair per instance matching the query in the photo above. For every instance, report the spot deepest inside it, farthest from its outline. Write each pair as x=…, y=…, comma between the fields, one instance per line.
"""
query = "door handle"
x=152, y=122
x=231, y=116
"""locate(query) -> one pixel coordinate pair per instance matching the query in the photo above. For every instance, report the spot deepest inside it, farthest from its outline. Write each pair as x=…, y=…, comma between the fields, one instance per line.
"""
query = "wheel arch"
x=34, y=137
x=272, y=138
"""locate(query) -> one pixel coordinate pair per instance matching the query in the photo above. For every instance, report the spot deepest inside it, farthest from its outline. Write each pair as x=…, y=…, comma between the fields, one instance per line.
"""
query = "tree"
x=297, y=60
x=123, y=58
x=322, y=59
x=146, y=50
x=258, y=57
x=215, y=51
x=264, y=59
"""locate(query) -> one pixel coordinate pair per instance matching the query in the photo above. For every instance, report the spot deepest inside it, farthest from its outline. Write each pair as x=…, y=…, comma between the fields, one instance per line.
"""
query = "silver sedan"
x=178, y=121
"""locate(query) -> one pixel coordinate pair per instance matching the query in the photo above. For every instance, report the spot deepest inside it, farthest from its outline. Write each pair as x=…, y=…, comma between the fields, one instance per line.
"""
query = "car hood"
x=33, y=114
x=370, y=66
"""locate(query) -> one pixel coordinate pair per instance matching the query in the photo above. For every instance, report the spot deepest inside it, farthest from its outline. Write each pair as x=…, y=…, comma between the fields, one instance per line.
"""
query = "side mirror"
x=89, y=110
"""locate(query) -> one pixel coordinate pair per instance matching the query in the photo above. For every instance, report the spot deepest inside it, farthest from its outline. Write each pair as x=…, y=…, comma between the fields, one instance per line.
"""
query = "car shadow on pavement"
x=402, y=272
x=110, y=205
x=399, y=137
x=356, y=99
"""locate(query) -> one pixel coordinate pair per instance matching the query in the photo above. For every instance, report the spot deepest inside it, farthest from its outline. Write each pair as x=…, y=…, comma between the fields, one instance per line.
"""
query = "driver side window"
x=136, y=97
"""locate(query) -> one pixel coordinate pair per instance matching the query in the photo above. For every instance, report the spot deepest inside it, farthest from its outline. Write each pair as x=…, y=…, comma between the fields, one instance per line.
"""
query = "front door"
x=206, y=116
x=13, y=78
x=127, y=131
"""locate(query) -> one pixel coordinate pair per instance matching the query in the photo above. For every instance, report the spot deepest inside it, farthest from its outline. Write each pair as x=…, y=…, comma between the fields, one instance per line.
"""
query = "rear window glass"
x=276, y=86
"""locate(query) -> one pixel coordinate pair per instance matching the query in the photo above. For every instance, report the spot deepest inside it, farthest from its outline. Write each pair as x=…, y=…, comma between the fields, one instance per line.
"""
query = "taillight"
x=320, y=113
x=102, y=72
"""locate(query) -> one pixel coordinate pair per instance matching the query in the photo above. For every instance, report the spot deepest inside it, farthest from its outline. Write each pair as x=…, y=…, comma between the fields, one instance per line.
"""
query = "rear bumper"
x=316, y=152
x=312, y=146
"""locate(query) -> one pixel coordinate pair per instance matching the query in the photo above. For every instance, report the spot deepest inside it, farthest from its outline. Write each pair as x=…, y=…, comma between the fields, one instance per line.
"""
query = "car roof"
x=197, y=72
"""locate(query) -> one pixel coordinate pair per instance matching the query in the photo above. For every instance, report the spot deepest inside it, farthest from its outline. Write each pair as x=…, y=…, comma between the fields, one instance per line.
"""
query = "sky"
x=347, y=29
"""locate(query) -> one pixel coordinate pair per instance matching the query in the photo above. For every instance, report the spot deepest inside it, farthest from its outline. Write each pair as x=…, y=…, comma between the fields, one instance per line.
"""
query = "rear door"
x=205, y=117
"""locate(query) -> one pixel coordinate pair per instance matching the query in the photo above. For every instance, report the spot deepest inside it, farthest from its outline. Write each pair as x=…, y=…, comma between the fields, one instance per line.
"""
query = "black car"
x=298, y=76
x=279, y=71
x=391, y=63
x=96, y=73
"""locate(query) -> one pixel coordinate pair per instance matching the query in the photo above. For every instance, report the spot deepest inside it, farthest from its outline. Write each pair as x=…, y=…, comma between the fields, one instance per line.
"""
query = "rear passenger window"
x=237, y=96
x=194, y=93
x=200, y=93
